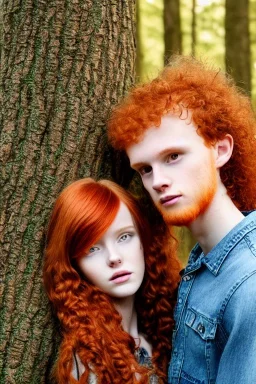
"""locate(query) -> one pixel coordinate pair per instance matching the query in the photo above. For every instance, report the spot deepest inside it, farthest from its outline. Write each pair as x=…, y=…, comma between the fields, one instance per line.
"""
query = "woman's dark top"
x=142, y=357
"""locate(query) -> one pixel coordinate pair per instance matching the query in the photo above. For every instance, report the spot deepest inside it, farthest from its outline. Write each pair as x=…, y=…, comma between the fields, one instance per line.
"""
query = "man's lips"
x=120, y=275
x=169, y=200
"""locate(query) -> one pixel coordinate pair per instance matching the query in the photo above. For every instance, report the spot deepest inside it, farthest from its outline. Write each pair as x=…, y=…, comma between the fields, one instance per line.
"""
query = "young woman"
x=112, y=284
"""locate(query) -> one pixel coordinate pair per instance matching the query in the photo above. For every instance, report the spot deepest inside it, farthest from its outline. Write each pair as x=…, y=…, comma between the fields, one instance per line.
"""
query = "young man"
x=191, y=135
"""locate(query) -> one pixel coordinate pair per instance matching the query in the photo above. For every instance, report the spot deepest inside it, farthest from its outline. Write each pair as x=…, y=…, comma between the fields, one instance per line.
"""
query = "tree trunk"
x=63, y=64
x=139, y=51
x=237, y=42
x=172, y=29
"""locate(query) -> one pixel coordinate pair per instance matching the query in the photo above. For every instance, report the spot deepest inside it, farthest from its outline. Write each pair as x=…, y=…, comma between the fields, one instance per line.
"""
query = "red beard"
x=180, y=215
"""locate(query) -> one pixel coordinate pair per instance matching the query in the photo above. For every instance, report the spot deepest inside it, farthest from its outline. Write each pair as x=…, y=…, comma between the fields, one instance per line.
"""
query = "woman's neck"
x=126, y=308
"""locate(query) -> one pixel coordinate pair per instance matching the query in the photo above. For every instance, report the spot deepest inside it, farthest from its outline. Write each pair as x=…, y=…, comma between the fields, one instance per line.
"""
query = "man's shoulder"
x=250, y=240
x=244, y=251
x=241, y=302
x=240, y=263
x=238, y=249
x=240, y=273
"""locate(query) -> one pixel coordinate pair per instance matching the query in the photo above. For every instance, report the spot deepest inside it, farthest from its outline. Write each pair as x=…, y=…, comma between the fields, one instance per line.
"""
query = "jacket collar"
x=215, y=258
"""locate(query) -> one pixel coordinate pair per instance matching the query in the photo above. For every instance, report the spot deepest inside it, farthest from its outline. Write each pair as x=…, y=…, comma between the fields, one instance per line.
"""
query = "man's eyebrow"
x=137, y=165
x=175, y=148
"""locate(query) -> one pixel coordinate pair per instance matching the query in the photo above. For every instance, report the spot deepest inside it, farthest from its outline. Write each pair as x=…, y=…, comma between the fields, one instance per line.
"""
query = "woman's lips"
x=169, y=200
x=120, y=277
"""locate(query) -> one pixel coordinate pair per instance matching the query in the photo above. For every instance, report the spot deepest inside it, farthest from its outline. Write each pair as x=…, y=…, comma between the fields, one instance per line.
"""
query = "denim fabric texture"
x=214, y=341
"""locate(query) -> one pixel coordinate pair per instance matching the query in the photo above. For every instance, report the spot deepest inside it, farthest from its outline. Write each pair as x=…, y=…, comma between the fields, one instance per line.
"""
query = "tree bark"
x=139, y=50
x=237, y=42
x=63, y=64
x=172, y=29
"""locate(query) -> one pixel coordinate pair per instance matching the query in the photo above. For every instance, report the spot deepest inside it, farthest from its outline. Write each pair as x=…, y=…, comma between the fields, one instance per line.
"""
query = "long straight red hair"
x=91, y=327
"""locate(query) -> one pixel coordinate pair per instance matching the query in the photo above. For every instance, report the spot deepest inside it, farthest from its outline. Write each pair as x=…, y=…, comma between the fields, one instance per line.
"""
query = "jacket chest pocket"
x=200, y=346
x=204, y=327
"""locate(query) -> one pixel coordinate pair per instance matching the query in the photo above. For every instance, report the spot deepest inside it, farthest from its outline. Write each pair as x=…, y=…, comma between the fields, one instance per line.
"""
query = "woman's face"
x=115, y=263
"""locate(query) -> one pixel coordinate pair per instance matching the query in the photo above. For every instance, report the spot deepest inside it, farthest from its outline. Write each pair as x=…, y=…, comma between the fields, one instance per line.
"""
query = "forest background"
x=64, y=65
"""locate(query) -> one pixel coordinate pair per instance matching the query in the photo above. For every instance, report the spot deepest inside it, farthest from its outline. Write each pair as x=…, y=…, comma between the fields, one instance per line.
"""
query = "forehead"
x=123, y=218
x=173, y=133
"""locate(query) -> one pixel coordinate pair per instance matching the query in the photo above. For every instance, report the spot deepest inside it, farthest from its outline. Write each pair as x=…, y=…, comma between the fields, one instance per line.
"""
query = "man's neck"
x=218, y=220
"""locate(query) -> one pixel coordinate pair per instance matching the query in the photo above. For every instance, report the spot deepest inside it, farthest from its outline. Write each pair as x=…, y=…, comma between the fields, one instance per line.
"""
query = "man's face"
x=177, y=169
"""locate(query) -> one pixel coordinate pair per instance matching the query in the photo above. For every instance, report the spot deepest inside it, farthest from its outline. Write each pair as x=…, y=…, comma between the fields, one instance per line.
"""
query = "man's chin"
x=178, y=221
x=182, y=218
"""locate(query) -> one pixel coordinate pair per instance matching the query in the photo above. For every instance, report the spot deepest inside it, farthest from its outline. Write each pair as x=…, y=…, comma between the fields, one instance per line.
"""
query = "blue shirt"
x=214, y=340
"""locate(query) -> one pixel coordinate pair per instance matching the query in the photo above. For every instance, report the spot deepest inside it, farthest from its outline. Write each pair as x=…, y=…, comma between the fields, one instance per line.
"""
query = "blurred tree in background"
x=172, y=29
x=193, y=29
x=221, y=31
x=237, y=42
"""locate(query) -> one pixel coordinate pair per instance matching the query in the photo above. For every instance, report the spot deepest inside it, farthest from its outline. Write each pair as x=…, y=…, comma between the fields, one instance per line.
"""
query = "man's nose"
x=160, y=181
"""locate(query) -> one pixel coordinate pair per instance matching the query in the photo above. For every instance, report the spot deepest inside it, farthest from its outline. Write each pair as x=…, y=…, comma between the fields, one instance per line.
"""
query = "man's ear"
x=223, y=150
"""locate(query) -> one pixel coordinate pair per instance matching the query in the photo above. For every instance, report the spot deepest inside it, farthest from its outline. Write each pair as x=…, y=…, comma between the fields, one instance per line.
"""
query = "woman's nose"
x=114, y=263
x=114, y=258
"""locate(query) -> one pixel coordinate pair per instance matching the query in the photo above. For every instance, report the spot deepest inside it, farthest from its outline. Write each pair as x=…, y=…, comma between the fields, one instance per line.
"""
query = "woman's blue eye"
x=124, y=237
x=93, y=249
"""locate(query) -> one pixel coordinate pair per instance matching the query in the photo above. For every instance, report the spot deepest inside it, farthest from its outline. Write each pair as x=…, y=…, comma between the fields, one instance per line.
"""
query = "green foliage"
x=210, y=34
x=152, y=31
x=209, y=29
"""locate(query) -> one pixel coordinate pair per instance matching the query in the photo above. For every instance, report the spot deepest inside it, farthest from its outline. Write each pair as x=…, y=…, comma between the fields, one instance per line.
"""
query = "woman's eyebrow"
x=125, y=228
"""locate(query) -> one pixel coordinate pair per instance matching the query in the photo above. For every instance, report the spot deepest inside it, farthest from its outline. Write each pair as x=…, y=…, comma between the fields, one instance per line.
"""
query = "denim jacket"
x=214, y=340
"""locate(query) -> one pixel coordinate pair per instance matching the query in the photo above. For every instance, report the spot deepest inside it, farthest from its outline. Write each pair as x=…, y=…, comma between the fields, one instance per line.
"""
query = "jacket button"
x=201, y=328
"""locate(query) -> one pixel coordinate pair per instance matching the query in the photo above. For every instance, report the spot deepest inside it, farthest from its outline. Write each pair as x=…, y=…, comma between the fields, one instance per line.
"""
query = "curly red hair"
x=218, y=108
x=91, y=326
